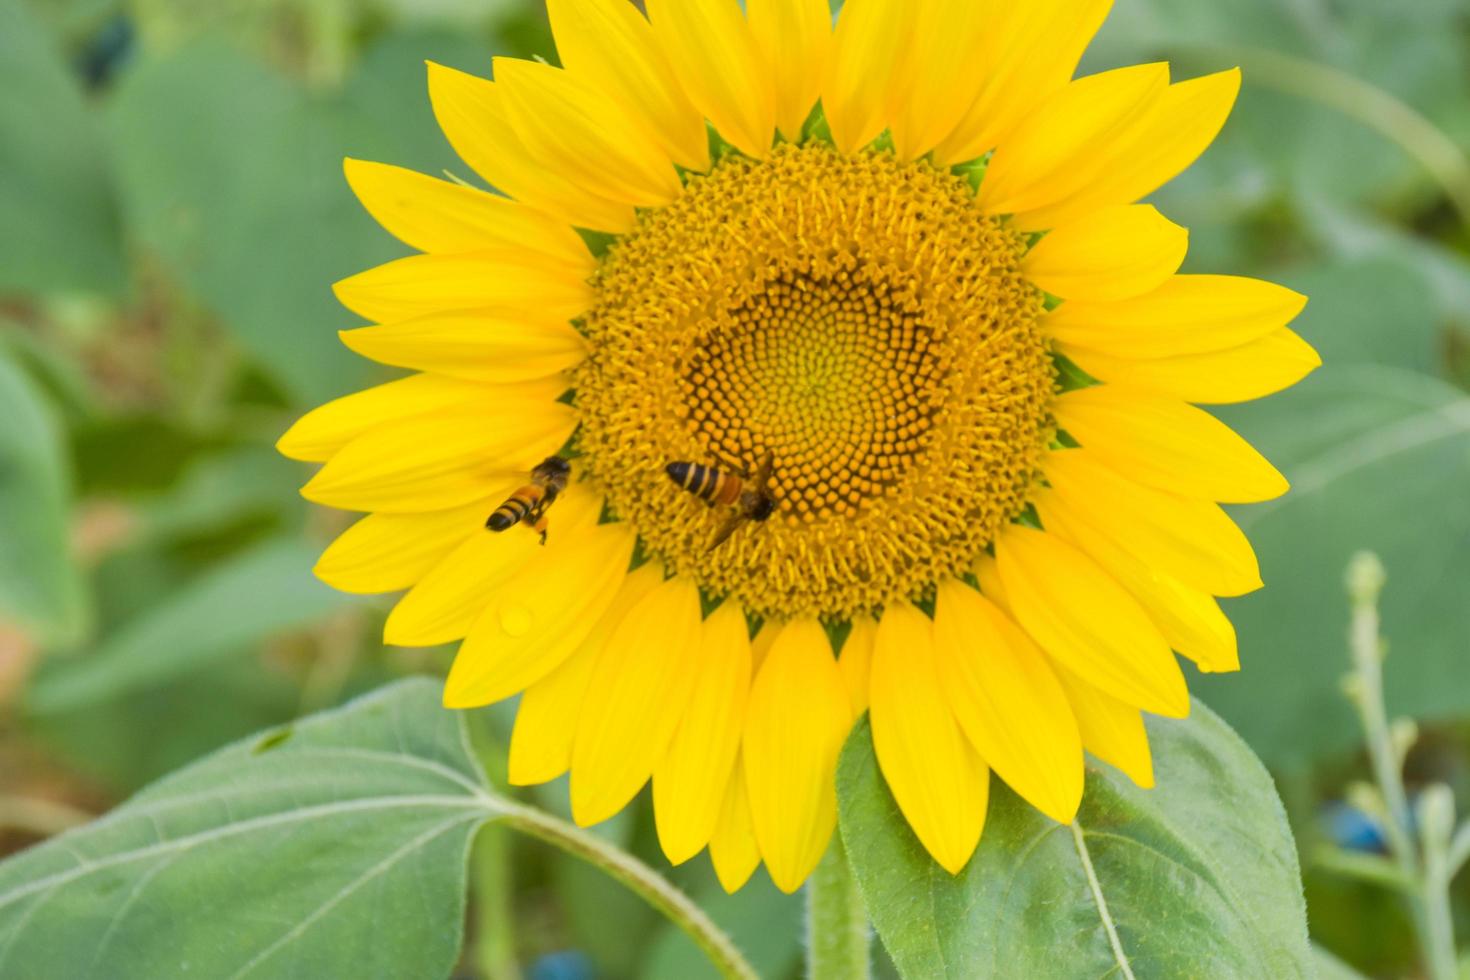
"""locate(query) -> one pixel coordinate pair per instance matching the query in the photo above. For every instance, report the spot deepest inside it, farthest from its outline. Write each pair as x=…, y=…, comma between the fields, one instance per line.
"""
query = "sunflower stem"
x=836, y=921
x=638, y=877
x=1420, y=848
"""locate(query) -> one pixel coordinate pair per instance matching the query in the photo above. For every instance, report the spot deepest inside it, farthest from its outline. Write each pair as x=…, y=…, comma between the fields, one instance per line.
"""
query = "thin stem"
x=638, y=877
x=1427, y=870
x=1459, y=851
x=1439, y=921
x=1125, y=968
x=1367, y=651
x=836, y=921
x=495, y=947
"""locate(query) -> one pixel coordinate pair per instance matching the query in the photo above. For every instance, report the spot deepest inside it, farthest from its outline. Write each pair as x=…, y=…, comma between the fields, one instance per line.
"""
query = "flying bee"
x=529, y=504
x=750, y=496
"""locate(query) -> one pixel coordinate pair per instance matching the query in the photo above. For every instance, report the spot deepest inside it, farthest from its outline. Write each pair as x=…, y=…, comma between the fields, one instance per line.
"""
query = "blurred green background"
x=172, y=214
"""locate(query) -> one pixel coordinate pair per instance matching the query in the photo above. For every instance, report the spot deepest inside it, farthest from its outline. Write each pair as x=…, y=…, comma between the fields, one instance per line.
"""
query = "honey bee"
x=750, y=496
x=530, y=503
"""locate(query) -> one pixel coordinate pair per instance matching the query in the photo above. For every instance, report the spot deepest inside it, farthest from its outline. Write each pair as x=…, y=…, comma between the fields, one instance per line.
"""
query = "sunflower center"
x=856, y=320
x=832, y=377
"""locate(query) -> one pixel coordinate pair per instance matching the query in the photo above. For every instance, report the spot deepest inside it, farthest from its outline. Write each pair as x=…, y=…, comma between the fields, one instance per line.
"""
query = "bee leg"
x=537, y=520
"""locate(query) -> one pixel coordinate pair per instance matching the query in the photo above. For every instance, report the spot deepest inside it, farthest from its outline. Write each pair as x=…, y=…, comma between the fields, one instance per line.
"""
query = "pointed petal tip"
x=678, y=851
x=956, y=861
x=788, y=881
x=733, y=879
x=588, y=811
x=452, y=698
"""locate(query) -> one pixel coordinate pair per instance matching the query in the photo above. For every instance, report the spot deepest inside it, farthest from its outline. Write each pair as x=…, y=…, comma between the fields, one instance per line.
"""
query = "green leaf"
x=40, y=587
x=1197, y=878
x=1329, y=967
x=1369, y=311
x=232, y=174
x=245, y=600
x=334, y=848
x=1293, y=127
x=1378, y=459
x=59, y=229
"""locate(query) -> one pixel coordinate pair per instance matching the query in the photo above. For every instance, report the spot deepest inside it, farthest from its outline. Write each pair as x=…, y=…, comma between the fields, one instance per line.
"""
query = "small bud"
x=1402, y=735
x=1435, y=809
x=1365, y=578
x=1366, y=798
x=1352, y=687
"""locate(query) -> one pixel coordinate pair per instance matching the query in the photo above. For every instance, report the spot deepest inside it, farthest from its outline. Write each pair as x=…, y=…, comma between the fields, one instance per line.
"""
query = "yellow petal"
x=1189, y=619
x=435, y=215
x=856, y=662
x=761, y=645
x=442, y=460
x=570, y=126
x=1008, y=701
x=1086, y=621
x=796, y=721
x=474, y=118
x=610, y=43
x=1111, y=729
x=1112, y=254
x=321, y=433
x=446, y=602
x=988, y=575
x=940, y=784
x=388, y=552
x=794, y=37
x=863, y=70
x=526, y=631
x=1180, y=125
x=690, y=782
x=546, y=720
x=715, y=55
x=1240, y=374
x=949, y=57
x=1063, y=147
x=1033, y=49
x=478, y=346
x=642, y=682
x=1186, y=315
x=1186, y=538
x=1165, y=443
x=508, y=279
x=733, y=849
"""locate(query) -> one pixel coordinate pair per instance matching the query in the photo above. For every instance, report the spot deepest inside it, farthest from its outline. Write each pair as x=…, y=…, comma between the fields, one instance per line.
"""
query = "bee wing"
x=726, y=529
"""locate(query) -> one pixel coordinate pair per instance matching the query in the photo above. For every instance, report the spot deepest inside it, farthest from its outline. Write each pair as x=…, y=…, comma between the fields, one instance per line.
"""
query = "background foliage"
x=172, y=213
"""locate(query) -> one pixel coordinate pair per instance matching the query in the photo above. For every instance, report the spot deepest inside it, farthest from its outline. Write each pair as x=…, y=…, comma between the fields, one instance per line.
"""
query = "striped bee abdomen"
x=514, y=510
x=705, y=482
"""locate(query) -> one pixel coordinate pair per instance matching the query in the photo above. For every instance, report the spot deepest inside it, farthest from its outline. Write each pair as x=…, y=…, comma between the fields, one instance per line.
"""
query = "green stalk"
x=495, y=947
x=1427, y=871
x=836, y=921
x=652, y=887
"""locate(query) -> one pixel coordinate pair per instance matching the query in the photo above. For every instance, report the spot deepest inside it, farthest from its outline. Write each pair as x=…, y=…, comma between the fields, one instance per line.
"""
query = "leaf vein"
x=1119, y=956
x=348, y=889
x=281, y=819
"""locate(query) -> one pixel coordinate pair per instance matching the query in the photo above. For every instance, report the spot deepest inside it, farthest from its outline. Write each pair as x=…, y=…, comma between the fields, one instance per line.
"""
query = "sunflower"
x=898, y=263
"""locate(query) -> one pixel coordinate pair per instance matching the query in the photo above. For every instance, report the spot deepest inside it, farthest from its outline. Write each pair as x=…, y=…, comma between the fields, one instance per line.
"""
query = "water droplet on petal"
x=515, y=619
